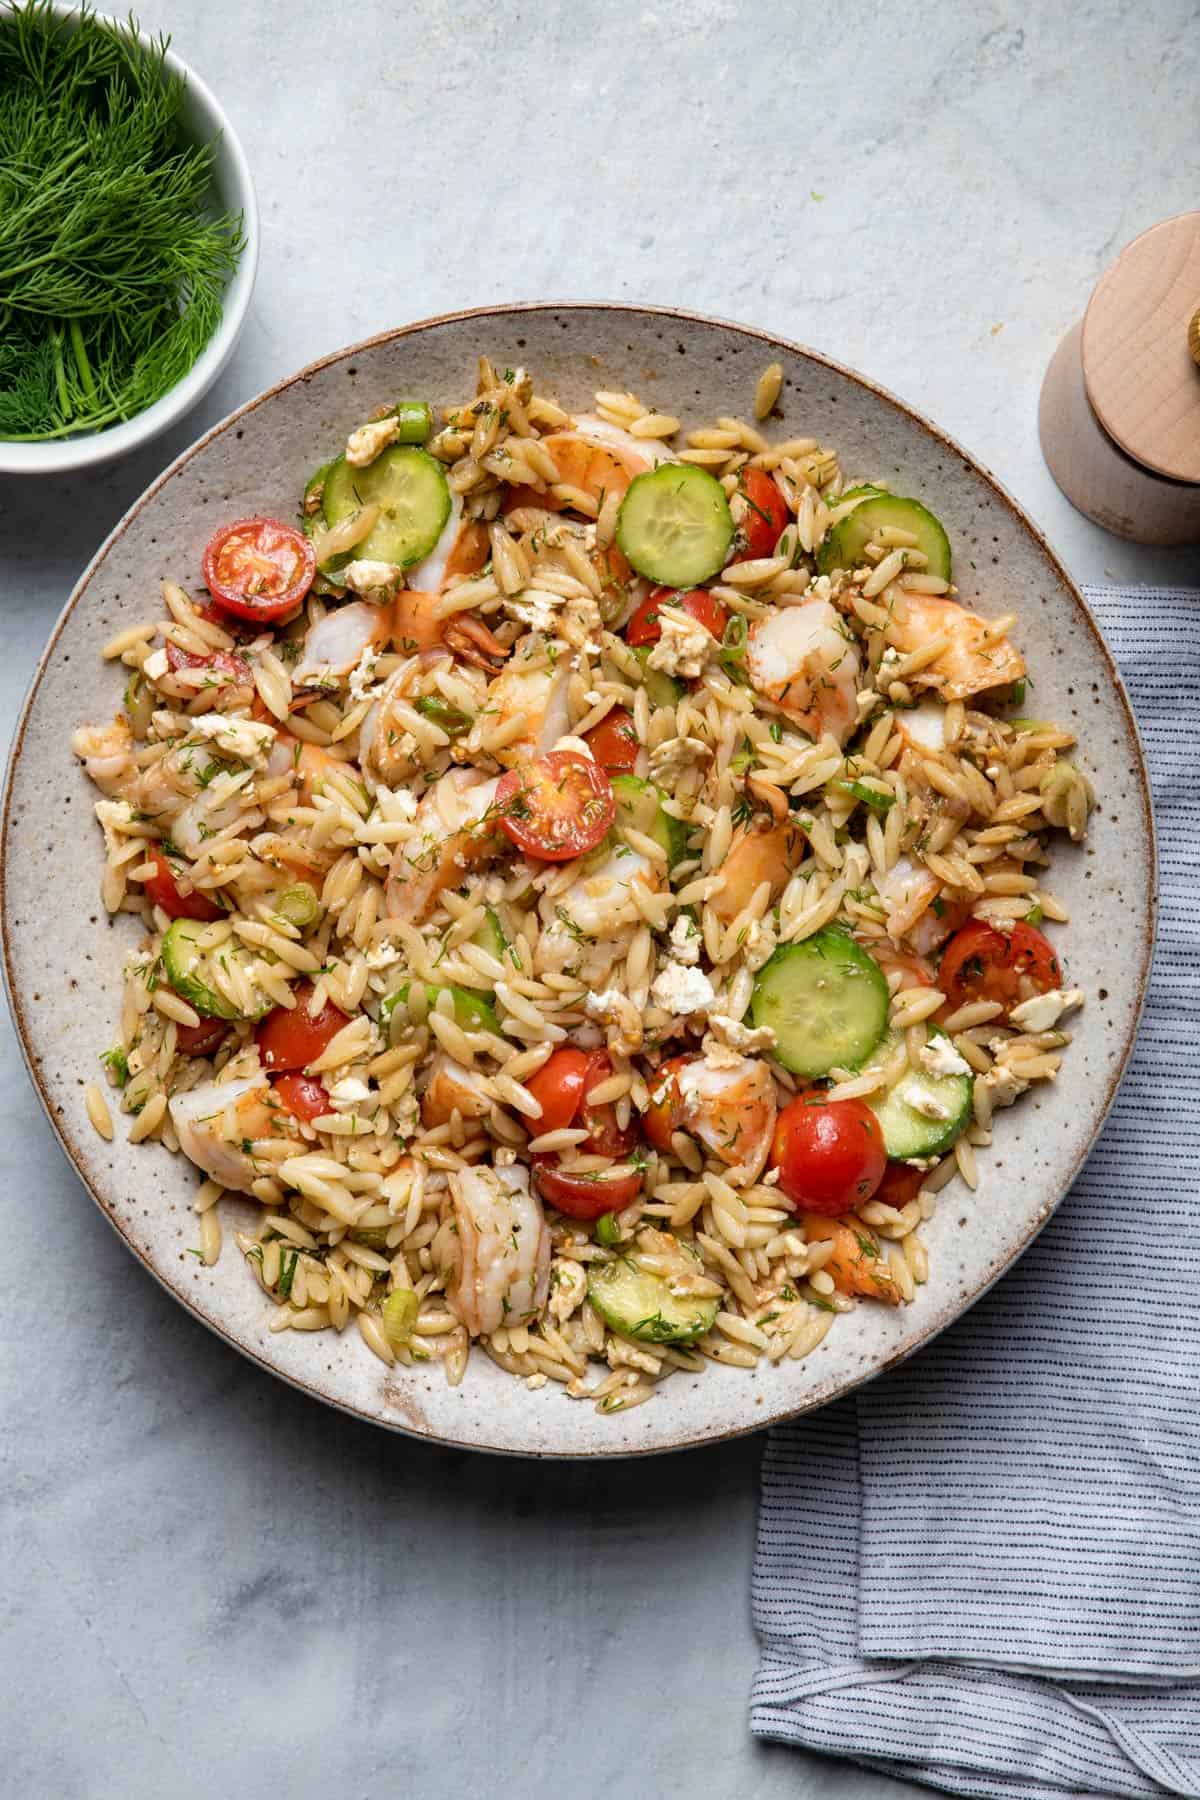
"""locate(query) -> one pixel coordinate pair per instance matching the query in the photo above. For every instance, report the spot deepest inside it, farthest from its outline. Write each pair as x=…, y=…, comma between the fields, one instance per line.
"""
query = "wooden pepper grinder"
x=1120, y=408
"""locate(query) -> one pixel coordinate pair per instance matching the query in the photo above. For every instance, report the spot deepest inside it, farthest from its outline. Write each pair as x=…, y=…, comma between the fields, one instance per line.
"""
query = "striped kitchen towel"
x=983, y=1571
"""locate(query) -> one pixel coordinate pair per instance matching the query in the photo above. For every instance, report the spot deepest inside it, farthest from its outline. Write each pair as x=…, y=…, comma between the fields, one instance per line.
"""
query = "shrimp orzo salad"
x=591, y=880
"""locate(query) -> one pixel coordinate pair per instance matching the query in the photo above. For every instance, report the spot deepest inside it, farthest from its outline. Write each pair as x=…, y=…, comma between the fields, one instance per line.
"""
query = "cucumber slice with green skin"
x=412, y=495
x=641, y=1305
x=843, y=547
x=661, y=689
x=472, y=1011
x=188, y=969
x=826, y=1001
x=675, y=526
x=904, y=1111
x=639, y=803
x=863, y=491
x=490, y=936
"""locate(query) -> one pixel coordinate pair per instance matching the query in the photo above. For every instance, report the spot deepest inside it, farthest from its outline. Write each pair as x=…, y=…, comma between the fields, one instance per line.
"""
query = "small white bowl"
x=203, y=119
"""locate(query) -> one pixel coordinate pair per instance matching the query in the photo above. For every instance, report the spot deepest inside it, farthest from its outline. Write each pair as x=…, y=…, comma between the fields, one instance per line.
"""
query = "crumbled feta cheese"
x=1043, y=1012
x=557, y=948
x=758, y=944
x=237, y=737
x=1002, y=1085
x=536, y=607
x=685, y=939
x=939, y=1057
x=155, y=665
x=365, y=444
x=406, y=1113
x=364, y=576
x=675, y=757
x=383, y=955
x=684, y=647
x=568, y=1285
x=503, y=1156
x=592, y=697
x=681, y=991
x=348, y=1094
x=927, y=1104
x=888, y=662
x=736, y=1036
x=623, y=1019
x=621, y=1355
x=403, y=804
x=362, y=673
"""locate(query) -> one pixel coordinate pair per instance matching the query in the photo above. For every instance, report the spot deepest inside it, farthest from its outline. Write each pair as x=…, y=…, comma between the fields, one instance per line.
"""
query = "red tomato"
x=644, y=628
x=981, y=963
x=302, y=1096
x=223, y=664
x=288, y=1038
x=605, y=1137
x=557, y=806
x=613, y=742
x=900, y=1184
x=585, y=1196
x=664, y=1116
x=829, y=1153
x=259, y=568
x=558, y=1087
x=163, y=889
x=201, y=1039
x=761, y=513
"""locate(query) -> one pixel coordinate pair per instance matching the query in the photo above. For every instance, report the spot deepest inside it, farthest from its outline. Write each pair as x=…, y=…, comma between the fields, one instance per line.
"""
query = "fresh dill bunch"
x=112, y=263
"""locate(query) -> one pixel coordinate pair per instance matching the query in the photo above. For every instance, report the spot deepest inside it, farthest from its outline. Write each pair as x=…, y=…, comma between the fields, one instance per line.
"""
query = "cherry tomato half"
x=289, y=1038
x=259, y=568
x=585, y=1196
x=760, y=512
x=558, y=1087
x=613, y=742
x=557, y=806
x=303, y=1096
x=664, y=1115
x=644, y=627
x=829, y=1153
x=201, y=1039
x=981, y=963
x=163, y=890
x=224, y=666
x=605, y=1137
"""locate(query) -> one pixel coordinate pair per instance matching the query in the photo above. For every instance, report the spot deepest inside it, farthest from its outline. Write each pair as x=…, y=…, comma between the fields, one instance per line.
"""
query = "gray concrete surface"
x=212, y=1587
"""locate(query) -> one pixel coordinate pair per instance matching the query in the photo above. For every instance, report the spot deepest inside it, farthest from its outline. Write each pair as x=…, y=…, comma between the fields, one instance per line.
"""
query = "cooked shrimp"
x=215, y=1122
x=729, y=1105
x=308, y=764
x=597, y=458
x=452, y=1088
x=448, y=842
x=335, y=644
x=539, y=697
x=969, y=664
x=922, y=727
x=106, y=752
x=601, y=900
x=804, y=658
x=858, y=1265
x=912, y=969
x=758, y=852
x=503, y=1249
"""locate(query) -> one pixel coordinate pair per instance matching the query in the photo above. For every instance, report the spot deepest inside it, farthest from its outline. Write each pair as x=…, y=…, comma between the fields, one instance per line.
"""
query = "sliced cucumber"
x=490, y=936
x=826, y=1001
x=472, y=1011
x=921, y=1115
x=412, y=495
x=863, y=491
x=661, y=689
x=675, y=525
x=189, y=971
x=843, y=547
x=641, y=1305
x=639, y=803
x=312, y=519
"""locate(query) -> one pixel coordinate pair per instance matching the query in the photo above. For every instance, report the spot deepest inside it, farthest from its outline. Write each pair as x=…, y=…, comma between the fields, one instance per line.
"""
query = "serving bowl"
x=63, y=956
x=204, y=120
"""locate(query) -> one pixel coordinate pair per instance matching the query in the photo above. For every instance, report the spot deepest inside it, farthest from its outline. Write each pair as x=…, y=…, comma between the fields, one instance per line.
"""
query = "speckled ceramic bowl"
x=63, y=957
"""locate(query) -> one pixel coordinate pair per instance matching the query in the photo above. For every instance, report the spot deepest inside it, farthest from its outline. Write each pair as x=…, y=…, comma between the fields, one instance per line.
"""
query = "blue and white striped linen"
x=983, y=1572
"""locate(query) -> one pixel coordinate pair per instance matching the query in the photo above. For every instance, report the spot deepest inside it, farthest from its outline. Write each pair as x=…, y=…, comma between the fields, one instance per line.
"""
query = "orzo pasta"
x=590, y=879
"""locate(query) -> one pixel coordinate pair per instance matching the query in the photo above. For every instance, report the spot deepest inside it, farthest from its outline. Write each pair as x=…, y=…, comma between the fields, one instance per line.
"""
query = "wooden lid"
x=1137, y=362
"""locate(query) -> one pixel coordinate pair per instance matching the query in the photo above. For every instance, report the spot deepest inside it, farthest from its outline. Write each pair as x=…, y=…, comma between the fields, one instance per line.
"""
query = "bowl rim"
x=61, y=456
x=770, y=1416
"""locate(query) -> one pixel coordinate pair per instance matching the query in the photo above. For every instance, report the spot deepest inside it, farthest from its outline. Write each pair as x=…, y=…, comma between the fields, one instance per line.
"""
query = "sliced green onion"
x=1034, y=916
x=1016, y=694
x=414, y=421
x=400, y=1311
x=872, y=797
x=298, y=905
x=733, y=646
x=452, y=720
x=1031, y=725
x=608, y=1232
